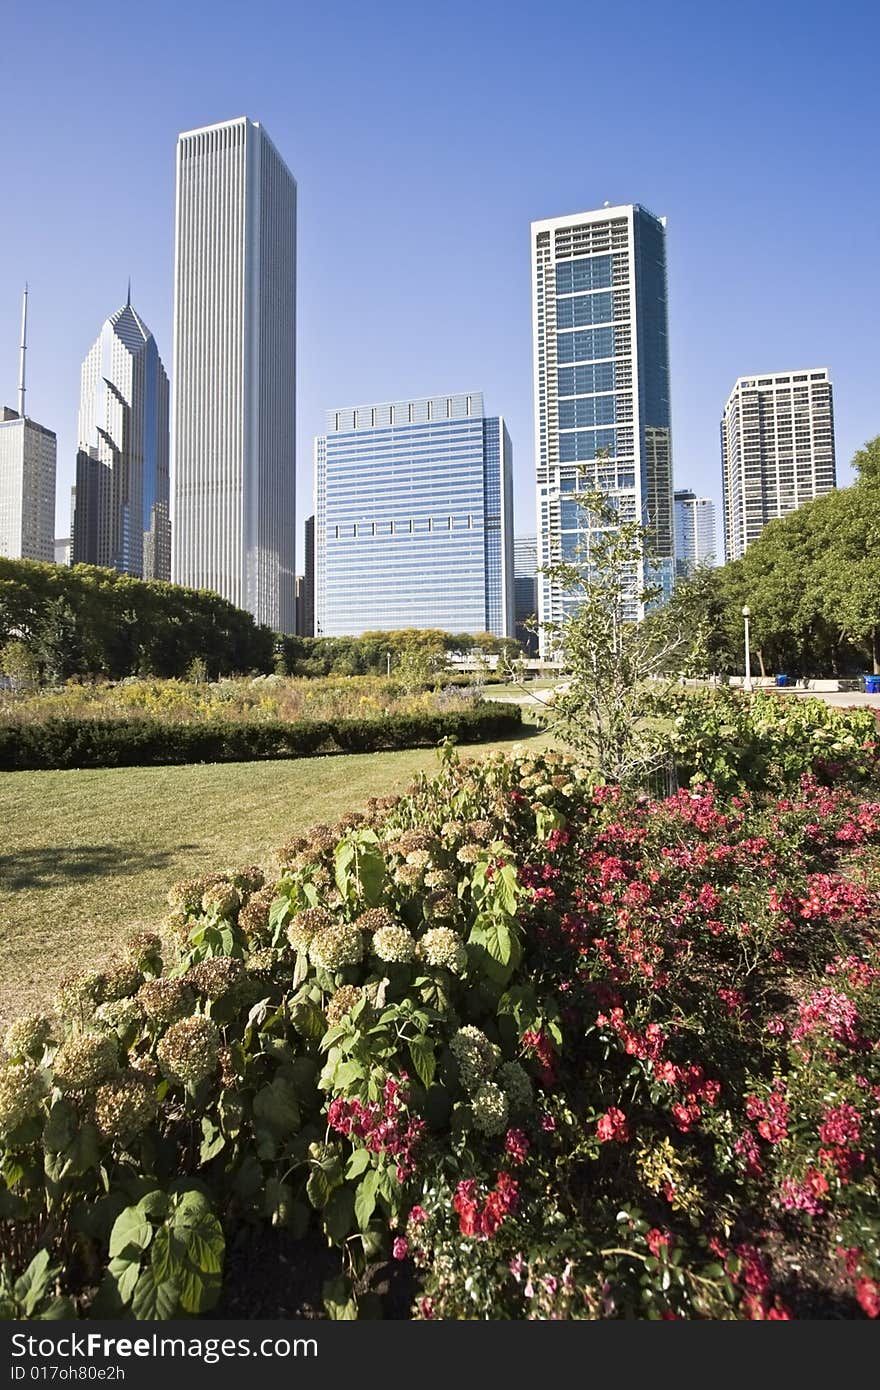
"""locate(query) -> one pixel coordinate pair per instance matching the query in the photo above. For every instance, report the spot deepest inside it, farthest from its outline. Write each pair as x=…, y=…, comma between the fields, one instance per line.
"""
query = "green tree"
x=614, y=666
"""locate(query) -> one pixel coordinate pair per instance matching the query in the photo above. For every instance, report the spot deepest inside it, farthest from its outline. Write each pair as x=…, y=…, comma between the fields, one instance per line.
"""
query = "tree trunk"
x=875, y=649
x=760, y=655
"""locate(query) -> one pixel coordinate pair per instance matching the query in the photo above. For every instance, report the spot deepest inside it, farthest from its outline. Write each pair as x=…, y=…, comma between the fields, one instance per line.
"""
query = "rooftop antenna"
x=128, y=296
x=23, y=351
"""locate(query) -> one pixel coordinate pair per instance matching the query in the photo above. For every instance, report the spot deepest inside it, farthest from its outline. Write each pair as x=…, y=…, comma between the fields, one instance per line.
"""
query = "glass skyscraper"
x=601, y=371
x=695, y=542
x=414, y=519
x=121, y=505
x=235, y=370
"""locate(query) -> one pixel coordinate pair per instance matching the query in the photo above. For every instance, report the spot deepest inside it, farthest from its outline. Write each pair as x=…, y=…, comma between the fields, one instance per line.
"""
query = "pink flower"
x=517, y=1145
x=868, y=1295
x=400, y=1248
x=613, y=1126
x=418, y=1215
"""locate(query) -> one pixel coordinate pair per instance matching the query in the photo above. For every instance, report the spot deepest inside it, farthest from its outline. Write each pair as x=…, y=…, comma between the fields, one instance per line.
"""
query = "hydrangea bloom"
x=343, y=1002
x=490, y=1109
x=303, y=927
x=85, y=1062
x=29, y=1035
x=394, y=943
x=517, y=1087
x=21, y=1090
x=164, y=1001
x=337, y=946
x=189, y=1050
x=476, y=1056
x=443, y=948
x=124, y=1106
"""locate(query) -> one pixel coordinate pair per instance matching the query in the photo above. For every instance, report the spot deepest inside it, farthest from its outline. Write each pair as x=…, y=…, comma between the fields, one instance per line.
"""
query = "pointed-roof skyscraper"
x=121, y=507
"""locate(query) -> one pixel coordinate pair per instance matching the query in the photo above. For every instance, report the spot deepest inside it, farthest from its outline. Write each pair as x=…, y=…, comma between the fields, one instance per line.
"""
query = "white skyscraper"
x=121, y=503
x=601, y=372
x=234, y=419
x=695, y=542
x=777, y=450
x=27, y=478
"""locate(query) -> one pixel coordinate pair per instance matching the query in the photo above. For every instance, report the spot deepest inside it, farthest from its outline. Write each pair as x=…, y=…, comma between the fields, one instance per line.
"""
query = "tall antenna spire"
x=128, y=296
x=23, y=351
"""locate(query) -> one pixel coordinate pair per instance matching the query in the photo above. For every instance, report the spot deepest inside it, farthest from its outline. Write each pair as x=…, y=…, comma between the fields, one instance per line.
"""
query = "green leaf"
x=131, y=1233
x=339, y=1217
x=125, y=1274
x=339, y=1299
x=365, y=1198
x=276, y=1107
x=346, y=1073
x=32, y=1284
x=308, y=1019
x=151, y=1301
x=424, y=1059
x=358, y=1163
x=318, y=1189
x=213, y=1140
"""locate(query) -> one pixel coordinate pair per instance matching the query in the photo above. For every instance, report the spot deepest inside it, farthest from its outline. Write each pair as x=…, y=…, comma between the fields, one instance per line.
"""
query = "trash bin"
x=782, y=680
x=872, y=685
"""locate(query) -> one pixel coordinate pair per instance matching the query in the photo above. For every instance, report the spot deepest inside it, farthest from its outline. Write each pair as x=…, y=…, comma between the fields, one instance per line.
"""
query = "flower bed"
x=556, y=1052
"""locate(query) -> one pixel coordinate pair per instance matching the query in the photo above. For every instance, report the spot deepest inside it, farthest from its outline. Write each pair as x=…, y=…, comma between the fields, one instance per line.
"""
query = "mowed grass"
x=85, y=856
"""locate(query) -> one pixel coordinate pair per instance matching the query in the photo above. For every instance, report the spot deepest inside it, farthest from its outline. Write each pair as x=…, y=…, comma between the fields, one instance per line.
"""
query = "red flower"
x=613, y=1125
x=400, y=1248
x=657, y=1241
x=517, y=1145
x=868, y=1295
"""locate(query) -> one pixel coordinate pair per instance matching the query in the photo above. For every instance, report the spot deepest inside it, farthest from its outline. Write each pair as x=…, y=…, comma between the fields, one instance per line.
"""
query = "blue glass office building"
x=601, y=362
x=414, y=519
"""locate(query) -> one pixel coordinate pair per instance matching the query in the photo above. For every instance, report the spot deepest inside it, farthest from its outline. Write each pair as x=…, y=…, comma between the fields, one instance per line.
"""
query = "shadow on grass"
x=54, y=865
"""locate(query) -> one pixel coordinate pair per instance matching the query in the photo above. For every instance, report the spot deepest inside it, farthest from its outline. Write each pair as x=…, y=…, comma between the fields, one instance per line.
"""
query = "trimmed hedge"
x=71, y=743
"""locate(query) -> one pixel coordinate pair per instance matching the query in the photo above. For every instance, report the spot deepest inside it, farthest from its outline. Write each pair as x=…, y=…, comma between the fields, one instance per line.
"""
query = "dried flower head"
x=21, y=1091
x=415, y=840
x=442, y=948
x=27, y=1036
x=409, y=875
x=261, y=963
x=121, y=1016
x=221, y=899
x=337, y=946
x=248, y=880
x=186, y=896
x=190, y=1050
x=442, y=905
x=374, y=919
x=440, y=878
x=489, y=1107
x=303, y=926
x=216, y=976
x=394, y=943
x=476, y=1056
x=166, y=1000
x=121, y=979
x=254, y=916
x=80, y=993
x=342, y=1003
x=124, y=1106
x=144, y=949
x=517, y=1087
x=84, y=1062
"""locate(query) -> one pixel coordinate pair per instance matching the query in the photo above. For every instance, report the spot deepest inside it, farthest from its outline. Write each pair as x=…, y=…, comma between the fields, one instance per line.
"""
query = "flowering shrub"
x=736, y=740
x=557, y=1050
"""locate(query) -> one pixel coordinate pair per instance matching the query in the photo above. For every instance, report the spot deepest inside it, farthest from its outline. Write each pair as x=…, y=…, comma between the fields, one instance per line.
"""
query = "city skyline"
x=234, y=416
x=368, y=234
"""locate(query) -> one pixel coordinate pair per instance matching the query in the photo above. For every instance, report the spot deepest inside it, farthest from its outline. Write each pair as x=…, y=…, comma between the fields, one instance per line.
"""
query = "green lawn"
x=87, y=855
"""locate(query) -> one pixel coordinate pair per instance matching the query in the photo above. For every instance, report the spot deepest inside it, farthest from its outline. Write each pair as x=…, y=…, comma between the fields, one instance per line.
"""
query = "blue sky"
x=424, y=141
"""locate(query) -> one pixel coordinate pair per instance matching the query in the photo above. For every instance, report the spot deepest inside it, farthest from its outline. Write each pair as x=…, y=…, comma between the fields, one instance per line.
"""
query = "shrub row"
x=70, y=743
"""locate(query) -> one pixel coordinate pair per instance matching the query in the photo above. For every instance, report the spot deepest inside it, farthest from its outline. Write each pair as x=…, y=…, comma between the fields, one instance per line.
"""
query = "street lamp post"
x=747, y=683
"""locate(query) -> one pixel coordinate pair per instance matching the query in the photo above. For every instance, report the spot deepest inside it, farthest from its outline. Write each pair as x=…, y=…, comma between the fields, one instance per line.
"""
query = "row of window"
x=586, y=378
x=584, y=309
x=411, y=526
x=592, y=274
x=586, y=411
